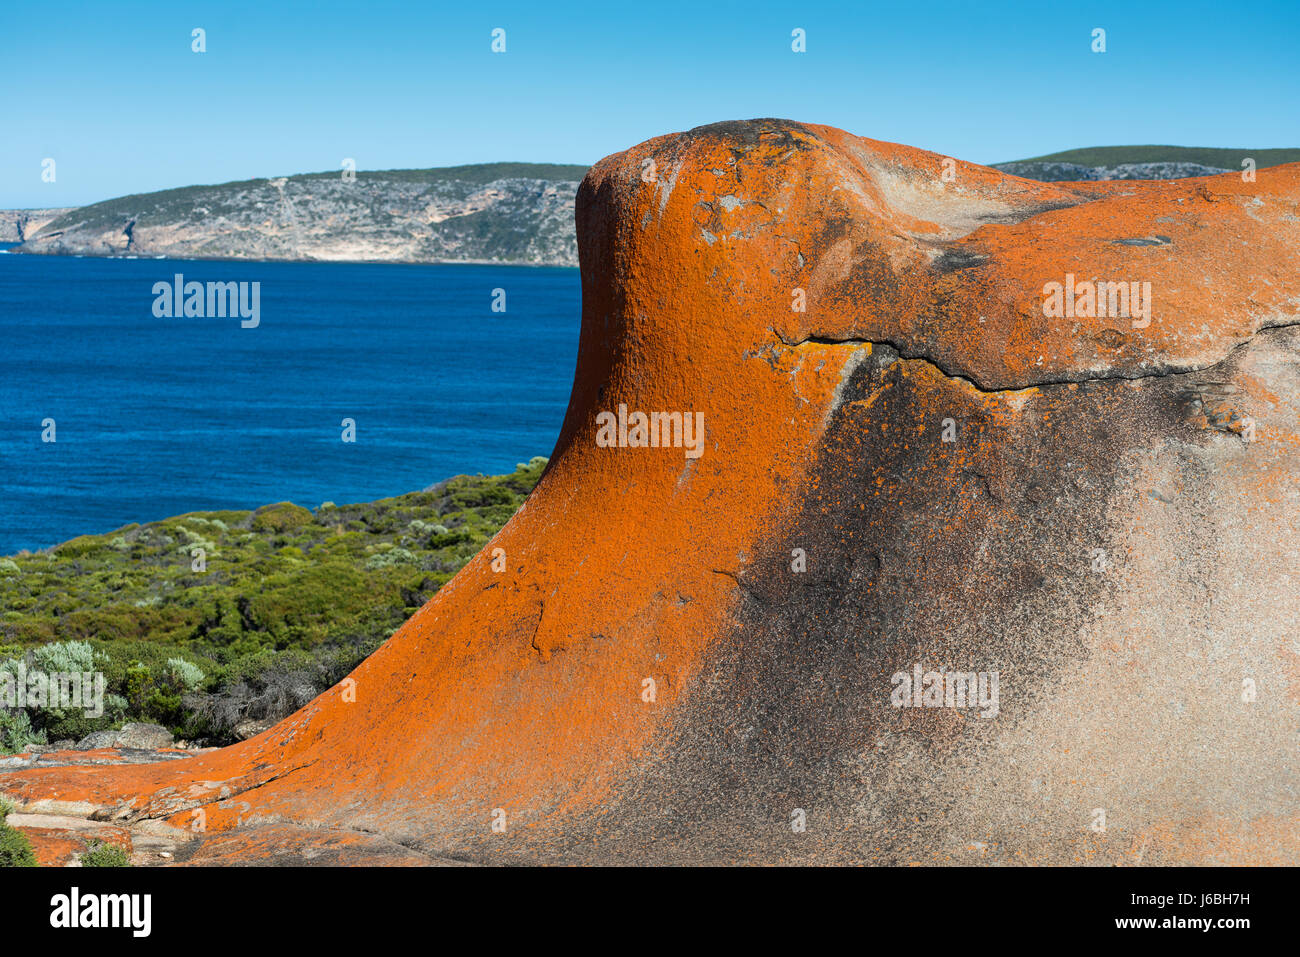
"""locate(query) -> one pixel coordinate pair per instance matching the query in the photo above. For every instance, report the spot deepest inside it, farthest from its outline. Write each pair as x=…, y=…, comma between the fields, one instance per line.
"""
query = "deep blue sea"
x=159, y=416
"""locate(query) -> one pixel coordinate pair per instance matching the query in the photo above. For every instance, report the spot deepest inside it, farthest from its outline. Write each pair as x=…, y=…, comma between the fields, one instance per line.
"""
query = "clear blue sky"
x=112, y=91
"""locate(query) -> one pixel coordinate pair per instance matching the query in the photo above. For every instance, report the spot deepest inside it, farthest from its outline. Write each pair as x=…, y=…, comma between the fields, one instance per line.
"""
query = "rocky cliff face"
x=506, y=213
x=961, y=574
x=16, y=225
x=1051, y=172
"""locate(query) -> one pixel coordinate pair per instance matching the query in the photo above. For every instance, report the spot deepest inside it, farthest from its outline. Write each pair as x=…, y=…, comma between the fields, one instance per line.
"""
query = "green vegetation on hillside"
x=1204, y=155
x=219, y=198
x=477, y=173
x=286, y=603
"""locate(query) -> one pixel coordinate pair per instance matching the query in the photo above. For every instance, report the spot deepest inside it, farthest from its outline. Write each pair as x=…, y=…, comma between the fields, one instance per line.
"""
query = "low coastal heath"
x=641, y=430
x=212, y=300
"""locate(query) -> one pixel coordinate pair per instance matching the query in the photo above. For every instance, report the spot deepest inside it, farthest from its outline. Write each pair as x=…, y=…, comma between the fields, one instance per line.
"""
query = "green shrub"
x=389, y=558
x=15, y=849
x=17, y=733
x=445, y=539
x=80, y=547
x=476, y=496
x=63, y=656
x=280, y=517
x=99, y=854
x=187, y=675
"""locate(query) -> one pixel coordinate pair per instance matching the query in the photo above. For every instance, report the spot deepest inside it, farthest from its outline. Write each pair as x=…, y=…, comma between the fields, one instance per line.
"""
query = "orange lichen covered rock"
x=883, y=527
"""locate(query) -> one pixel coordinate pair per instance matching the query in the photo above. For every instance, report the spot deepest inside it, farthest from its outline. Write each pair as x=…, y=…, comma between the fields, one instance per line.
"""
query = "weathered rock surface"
x=45, y=757
x=907, y=465
x=134, y=735
x=285, y=845
x=247, y=729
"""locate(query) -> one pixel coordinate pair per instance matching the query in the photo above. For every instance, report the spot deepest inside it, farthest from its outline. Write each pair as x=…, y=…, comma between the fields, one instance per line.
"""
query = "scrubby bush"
x=15, y=849
x=477, y=496
x=63, y=656
x=271, y=686
x=100, y=854
x=16, y=731
x=445, y=539
x=81, y=546
x=280, y=517
x=389, y=558
x=193, y=540
x=188, y=676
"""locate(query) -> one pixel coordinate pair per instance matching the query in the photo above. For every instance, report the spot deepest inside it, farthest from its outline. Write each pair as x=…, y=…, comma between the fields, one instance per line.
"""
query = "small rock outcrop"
x=135, y=735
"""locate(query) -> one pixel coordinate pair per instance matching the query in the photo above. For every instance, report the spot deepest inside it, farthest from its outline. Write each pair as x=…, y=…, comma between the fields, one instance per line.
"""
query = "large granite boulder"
x=957, y=565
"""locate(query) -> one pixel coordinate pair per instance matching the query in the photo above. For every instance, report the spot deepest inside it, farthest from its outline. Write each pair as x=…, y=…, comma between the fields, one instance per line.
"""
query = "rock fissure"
x=901, y=352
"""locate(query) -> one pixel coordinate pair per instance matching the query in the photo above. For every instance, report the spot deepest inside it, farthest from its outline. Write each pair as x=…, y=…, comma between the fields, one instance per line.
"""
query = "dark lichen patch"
x=952, y=260
x=971, y=555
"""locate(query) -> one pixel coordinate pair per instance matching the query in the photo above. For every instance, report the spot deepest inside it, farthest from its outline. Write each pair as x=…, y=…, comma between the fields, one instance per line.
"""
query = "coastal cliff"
x=16, y=225
x=519, y=213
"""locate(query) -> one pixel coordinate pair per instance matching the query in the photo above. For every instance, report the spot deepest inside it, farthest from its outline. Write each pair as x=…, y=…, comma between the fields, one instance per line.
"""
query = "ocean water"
x=159, y=416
